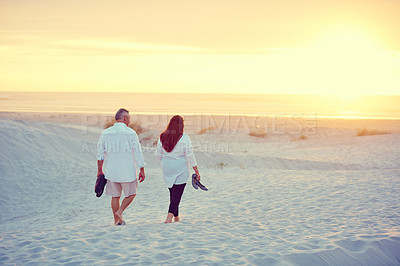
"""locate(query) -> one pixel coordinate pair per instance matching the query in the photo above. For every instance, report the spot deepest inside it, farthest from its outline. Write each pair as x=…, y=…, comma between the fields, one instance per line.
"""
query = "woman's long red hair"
x=172, y=134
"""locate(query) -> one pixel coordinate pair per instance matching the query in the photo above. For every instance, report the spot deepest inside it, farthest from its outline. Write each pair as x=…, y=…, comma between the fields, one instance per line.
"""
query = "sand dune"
x=331, y=199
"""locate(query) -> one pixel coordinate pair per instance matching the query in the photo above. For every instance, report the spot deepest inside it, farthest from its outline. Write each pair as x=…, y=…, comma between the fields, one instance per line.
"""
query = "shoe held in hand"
x=194, y=181
x=197, y=183
x=100, y=183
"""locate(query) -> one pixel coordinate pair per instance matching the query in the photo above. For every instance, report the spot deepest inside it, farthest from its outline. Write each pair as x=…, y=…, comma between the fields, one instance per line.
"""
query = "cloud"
x=99, y=45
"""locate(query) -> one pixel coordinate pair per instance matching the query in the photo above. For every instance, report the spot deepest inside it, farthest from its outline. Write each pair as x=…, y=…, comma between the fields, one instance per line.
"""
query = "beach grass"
x=258, y=134
x=368, y=132
x=134, y=125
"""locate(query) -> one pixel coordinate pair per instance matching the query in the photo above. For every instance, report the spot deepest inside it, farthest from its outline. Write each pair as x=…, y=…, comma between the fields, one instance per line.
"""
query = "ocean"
x=324, y=106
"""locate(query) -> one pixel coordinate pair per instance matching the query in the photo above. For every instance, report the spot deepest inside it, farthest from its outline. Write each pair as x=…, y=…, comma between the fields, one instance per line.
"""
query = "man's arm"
x=137, y=151
x=139, y=160
x=101, y=153
x=100, y=167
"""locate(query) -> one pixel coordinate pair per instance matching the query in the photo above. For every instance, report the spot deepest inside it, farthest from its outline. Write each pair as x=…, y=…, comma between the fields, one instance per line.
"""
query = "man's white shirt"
x=120, y=149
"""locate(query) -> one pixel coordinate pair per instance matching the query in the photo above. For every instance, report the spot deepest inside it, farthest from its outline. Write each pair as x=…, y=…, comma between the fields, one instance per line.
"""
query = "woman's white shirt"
x=175, y=164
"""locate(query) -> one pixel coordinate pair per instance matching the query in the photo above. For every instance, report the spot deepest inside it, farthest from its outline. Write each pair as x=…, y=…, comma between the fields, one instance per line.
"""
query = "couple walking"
x=120, y=152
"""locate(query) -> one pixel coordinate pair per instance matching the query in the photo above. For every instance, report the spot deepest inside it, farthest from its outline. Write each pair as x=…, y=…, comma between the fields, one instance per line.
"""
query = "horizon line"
x=229, y=93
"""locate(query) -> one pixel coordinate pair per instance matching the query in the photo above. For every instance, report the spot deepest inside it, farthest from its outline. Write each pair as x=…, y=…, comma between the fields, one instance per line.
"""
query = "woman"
x=174, y=150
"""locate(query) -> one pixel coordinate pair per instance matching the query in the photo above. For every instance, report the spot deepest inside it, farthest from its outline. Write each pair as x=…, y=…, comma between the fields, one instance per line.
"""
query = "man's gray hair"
x=121, y=113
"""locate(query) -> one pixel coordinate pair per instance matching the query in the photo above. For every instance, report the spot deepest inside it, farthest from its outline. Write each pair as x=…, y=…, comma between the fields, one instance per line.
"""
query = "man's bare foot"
x=123, y=223
x=168, y=220
x=119, y=217
x=177, y=219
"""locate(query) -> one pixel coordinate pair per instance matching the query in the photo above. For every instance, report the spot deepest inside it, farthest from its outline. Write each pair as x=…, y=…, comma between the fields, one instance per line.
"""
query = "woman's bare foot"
x=169, y=218
x=177, y=219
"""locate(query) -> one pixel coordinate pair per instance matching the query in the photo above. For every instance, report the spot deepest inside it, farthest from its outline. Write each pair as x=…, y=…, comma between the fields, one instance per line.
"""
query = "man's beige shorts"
x=114, y=189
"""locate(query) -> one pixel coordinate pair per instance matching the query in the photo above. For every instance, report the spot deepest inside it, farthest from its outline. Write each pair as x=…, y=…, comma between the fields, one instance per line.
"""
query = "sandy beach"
x=292, y=109
x=329, y=197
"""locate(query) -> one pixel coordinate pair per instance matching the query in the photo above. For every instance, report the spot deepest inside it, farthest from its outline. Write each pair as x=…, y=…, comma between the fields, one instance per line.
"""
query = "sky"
x=342, y=47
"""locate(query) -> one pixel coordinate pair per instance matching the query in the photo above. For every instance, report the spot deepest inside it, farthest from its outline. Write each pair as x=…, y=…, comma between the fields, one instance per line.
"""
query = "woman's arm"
x=196, y=170
x=159, y=151
x=190, y=156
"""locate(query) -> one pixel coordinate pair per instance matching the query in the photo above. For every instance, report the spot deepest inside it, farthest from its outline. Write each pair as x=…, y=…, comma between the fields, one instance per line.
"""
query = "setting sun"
x=350, y=64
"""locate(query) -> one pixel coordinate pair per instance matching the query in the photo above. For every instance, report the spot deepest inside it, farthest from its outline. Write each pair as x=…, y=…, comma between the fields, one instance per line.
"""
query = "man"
x=119, y=149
